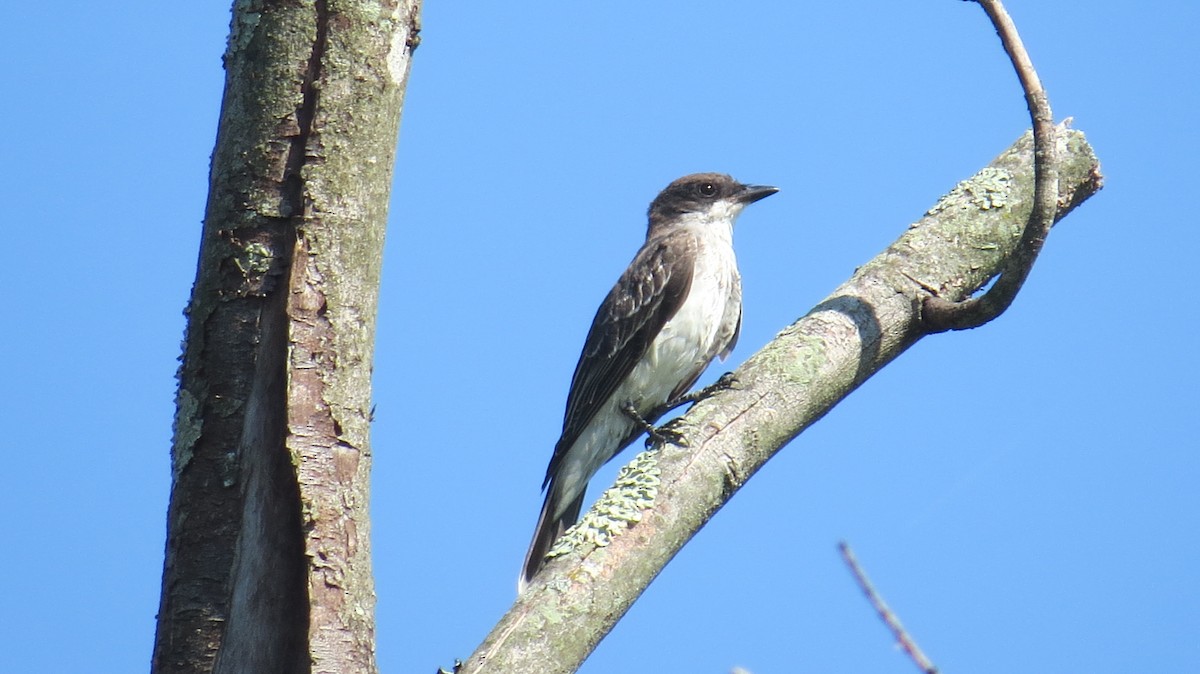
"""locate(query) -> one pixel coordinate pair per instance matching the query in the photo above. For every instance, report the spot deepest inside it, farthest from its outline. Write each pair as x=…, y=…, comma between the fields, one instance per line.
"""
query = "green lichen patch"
x=618, y=508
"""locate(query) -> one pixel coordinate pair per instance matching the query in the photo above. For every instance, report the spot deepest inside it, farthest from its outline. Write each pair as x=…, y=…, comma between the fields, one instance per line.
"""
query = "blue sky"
x=1050, y=525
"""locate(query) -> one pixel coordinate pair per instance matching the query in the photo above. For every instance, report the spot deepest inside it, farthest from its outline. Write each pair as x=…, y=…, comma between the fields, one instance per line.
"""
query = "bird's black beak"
x=752, y=193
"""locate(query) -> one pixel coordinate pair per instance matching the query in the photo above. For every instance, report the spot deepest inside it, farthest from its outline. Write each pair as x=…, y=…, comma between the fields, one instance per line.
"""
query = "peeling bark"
x=268, y=560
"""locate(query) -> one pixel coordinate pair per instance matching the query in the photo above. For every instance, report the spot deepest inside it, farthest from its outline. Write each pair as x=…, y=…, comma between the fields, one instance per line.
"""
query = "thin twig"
x=940, y=315
x=889, y=618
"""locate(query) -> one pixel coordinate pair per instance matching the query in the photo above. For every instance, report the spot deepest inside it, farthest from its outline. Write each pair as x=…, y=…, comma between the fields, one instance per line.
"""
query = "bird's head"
x=703, y=199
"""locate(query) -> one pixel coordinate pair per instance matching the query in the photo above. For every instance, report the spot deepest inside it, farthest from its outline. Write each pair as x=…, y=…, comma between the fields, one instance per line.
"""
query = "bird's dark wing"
x=646, y=296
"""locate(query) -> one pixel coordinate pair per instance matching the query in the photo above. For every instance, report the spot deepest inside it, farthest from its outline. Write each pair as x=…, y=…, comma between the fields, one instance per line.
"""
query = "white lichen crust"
x=988, y=189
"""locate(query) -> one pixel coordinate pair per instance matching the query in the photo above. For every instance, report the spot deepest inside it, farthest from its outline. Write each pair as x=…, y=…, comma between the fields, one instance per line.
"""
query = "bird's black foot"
x=666, y=435
x=660, y=434
x=726, y=381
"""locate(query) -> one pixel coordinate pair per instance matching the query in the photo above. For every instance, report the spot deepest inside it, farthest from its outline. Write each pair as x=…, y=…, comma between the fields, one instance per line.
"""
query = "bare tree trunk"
x=268, y=558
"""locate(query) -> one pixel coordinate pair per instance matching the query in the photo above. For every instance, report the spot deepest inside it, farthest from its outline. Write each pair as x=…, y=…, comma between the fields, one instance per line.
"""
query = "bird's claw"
x=726, y=382
x=664, y=435
x=655, y=434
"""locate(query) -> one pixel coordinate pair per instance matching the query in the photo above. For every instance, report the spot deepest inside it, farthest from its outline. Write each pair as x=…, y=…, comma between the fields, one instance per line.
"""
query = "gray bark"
x=267, y=564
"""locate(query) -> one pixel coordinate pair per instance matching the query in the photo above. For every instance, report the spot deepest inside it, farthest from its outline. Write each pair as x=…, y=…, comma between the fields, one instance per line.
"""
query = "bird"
x=675, y=308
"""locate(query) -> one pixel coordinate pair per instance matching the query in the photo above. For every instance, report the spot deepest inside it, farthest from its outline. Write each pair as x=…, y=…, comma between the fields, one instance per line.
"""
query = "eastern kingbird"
x=677, y=306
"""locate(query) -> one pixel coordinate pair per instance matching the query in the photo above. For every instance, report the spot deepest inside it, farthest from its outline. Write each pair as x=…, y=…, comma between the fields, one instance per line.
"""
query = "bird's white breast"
x=702, y=328
x=699, y=330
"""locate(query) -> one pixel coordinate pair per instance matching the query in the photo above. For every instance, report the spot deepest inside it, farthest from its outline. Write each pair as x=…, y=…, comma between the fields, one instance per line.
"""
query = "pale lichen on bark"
x=618, y=507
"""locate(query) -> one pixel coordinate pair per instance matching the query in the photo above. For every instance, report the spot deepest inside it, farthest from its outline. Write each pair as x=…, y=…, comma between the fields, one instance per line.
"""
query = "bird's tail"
x=549, y=528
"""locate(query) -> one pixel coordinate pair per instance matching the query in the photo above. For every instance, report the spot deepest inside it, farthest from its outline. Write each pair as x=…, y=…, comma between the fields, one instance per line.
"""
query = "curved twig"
x=940, y=315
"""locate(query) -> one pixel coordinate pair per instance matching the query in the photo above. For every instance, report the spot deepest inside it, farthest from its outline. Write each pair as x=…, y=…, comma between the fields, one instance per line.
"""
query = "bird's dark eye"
x=707, y=189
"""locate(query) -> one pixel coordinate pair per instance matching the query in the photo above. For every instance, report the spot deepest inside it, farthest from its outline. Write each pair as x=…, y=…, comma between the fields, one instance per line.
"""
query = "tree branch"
x=668, y=494
x=889, y=618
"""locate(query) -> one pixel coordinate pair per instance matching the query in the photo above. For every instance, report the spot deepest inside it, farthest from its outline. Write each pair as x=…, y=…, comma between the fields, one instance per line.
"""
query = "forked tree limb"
x=793, y=381
x=665, y=496
x=939, y=315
